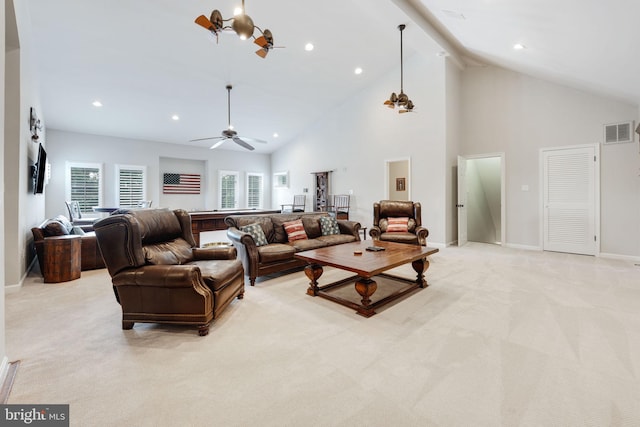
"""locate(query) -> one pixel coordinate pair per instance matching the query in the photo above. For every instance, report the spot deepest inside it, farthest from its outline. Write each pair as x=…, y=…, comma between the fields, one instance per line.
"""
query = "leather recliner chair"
x=416, y=234
x=158, y=273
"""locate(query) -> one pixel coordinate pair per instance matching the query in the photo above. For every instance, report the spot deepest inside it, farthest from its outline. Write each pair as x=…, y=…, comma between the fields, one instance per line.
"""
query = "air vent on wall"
x=618, y=132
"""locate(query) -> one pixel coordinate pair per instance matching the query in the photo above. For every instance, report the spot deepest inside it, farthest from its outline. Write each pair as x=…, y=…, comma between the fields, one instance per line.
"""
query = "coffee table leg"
x=366, y=288
x=313, y=272
x=420, y=266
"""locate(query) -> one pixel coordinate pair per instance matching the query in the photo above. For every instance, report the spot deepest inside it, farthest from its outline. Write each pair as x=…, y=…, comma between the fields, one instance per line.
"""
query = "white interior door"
x=462, y=200
x=570, y=199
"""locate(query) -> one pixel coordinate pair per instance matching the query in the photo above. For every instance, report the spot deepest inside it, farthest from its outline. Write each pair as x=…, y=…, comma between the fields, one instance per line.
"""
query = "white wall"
x=504, y=111
x=355, y=139
x=65, y=147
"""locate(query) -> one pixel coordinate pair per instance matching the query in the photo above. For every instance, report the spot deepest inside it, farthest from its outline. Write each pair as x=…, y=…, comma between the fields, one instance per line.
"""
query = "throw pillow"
x=54, y=228
x=65, y=222
x=329, y=226
x=398, y=225
x=257, y=233
x=295, y=230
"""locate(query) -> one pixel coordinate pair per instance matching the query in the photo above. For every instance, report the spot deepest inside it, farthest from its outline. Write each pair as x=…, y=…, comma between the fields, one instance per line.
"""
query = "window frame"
x=141, y=168
x=221, y=175
x=260, y=190
x=67, y=186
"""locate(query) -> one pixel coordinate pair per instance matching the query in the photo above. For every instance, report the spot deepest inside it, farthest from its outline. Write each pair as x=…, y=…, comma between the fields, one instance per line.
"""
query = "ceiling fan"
x=243, y=25
x=229, y=133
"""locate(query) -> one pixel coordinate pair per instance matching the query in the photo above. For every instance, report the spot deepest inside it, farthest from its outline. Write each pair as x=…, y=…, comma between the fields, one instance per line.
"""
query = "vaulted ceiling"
x=147, y=60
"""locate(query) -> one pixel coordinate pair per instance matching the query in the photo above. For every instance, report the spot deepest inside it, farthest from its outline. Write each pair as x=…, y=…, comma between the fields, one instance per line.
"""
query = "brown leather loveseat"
x=158, y=273
x=90, y=256
x=276, y=252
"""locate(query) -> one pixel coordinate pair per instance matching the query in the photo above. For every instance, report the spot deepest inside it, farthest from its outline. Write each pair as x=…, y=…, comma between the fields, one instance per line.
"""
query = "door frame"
x=503, y=192
x=386, y=175
x=596, y=189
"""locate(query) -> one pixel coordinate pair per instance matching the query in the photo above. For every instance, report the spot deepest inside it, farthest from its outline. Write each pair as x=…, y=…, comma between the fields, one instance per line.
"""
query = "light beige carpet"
x=502, y=337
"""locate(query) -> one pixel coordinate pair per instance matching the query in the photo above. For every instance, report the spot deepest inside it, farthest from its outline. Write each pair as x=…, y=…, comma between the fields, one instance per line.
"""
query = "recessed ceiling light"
x=96, y=103
x=275, y=134
x=175, y=117
x=308, y=47
x=519, y=46
x=358, y=70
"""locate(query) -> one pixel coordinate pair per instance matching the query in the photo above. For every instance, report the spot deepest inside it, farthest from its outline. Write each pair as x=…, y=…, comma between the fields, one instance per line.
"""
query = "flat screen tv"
x=40, y=171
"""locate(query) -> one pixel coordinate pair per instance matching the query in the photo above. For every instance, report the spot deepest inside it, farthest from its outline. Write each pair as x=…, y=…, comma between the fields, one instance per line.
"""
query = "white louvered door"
x=569, y=197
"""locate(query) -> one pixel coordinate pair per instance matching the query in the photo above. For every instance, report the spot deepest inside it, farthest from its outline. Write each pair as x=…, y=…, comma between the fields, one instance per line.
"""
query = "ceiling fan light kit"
x=402, y=99
x=243, y=26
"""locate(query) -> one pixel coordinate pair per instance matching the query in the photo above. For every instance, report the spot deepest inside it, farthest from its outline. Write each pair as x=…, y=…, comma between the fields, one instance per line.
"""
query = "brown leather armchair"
x=158, y=273
x=416, y=234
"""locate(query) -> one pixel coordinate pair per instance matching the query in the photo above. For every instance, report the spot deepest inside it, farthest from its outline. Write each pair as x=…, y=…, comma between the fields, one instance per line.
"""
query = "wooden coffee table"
x=366, y=266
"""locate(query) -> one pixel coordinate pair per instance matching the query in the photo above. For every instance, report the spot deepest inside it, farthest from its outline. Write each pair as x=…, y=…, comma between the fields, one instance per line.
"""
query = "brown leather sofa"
x=278, y=254
x=416, y=234
x=90, y=257
x=158, y=273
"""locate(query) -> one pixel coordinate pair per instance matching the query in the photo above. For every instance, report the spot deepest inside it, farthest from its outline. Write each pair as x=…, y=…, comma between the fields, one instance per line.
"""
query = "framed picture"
x=281, y=179
x=401, y=184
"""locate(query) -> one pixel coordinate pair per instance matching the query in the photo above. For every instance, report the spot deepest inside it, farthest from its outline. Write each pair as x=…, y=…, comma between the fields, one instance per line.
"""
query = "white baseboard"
x=629, y=258
x=524, y=247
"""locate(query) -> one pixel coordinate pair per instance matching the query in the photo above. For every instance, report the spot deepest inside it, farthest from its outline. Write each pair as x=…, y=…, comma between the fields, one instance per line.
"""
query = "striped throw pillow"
x=295, y=230
x=398, y=225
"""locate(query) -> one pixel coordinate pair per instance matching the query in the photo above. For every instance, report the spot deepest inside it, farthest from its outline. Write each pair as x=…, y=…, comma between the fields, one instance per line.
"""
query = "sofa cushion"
x=336, y=239
x=312, y=226
x=265, y=223
x=176, y=251
x=279, y=235
x=217, y=274
x=275, y=252
x=54, y=228
x=255, y=230
x=308, y=244
x=398, y=225
x=295, y=230
x=78, y=231
x=329, y=225
x=399, y=237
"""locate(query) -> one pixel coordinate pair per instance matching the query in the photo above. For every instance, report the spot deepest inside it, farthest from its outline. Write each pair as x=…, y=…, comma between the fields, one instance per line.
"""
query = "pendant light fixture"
x=401, y=100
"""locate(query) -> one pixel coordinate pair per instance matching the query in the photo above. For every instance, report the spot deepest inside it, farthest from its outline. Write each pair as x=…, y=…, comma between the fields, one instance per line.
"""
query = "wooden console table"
x=214, y=220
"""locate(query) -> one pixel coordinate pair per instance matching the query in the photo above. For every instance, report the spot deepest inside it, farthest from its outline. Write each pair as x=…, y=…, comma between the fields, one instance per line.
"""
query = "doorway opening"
x=398, y=182
x=481, y=193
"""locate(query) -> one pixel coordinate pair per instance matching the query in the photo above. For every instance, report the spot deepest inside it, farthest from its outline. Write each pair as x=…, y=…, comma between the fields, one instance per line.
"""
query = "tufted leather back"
x=145, y=236
x=397, y=209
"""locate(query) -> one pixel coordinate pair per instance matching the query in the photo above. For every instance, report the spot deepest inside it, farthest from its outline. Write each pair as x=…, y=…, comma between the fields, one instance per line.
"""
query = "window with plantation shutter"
x=84, y=185
x=131, y=185
x=228, y=186
x=254, y=190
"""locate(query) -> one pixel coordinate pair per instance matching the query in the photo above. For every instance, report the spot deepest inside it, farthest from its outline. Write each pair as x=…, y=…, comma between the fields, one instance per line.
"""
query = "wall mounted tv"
x=40, y=171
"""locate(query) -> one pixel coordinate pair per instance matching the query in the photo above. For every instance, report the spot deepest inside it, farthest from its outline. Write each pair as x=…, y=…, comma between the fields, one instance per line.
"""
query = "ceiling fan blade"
x=203, y=21
x=242, y=143
x=253, y=140
x=262, y=53
x=261, y=41
x=217, y=144
x=205, y=139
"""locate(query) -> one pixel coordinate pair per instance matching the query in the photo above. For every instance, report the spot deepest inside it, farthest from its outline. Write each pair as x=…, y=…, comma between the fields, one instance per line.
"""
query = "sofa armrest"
x=422, y=234
x=375, y=232
x=160, y=276
x=349, y=227
x=223, y=253
x=247, y=250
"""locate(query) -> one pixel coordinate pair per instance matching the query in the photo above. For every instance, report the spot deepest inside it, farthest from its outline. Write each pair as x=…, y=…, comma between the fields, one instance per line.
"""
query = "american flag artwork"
x=181, y=183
